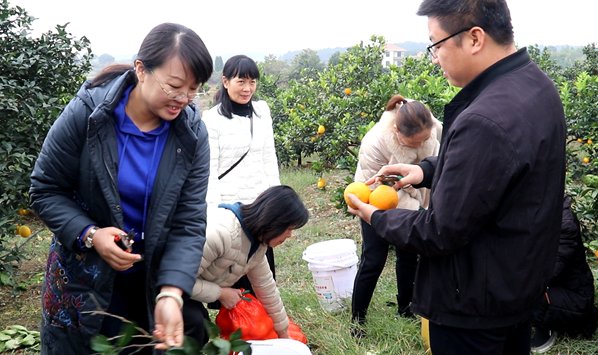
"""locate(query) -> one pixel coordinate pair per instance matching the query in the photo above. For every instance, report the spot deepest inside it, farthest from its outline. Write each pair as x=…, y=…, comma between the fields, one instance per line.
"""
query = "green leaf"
x=18, y=327
x=28, y=340
x=126, y=334
x=178, y=351
x=241, y=345
x=210, y=349
x=213, y=329
x=190, y=345
x=223, y=346
x=235, y=335
x=100, y=343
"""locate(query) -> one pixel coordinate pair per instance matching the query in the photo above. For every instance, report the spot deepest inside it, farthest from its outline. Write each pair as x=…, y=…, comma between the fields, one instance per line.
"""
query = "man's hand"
x=412, y=174
x=362, y=209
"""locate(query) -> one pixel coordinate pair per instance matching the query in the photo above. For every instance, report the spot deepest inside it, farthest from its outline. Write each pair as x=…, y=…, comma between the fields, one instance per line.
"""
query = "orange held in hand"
x=359, y=189
x=384, y=197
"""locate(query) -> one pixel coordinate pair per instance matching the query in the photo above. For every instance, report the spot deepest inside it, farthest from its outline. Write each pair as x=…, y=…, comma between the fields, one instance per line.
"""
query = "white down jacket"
x=225, y=261
x=229, y=140
x=380, y=147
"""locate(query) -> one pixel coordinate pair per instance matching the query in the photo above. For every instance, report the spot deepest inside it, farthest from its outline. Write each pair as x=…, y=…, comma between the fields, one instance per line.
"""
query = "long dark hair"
x=412, y=117
x=273, y=212
x=162, y=43
x=239, y=66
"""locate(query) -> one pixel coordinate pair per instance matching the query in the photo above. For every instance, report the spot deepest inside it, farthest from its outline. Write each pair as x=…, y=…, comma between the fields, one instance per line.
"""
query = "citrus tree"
x=38, y=76
x=579, y=89
x=322, y=118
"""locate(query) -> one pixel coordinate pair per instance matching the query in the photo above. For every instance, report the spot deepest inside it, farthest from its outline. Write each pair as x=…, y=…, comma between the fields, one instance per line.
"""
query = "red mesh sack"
x=295, y=332
x=250, y=317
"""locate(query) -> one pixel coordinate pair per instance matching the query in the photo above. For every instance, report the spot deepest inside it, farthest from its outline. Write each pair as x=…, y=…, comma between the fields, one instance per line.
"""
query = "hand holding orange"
x=359, y=189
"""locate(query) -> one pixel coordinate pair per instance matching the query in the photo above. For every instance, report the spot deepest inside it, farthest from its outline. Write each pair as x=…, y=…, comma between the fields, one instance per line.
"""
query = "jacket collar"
x=462, y=100
x=236, y=209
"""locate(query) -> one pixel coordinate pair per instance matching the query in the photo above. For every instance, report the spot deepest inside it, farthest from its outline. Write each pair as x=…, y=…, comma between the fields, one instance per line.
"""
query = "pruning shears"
x=388, y=178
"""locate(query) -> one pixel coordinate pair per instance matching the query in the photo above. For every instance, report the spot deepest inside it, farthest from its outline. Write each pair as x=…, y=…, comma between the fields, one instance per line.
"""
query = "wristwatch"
x=89, y=239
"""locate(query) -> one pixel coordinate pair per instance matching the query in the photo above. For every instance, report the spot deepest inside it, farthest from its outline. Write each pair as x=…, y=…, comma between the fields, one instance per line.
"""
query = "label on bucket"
x=324, y=288
x=327, y=296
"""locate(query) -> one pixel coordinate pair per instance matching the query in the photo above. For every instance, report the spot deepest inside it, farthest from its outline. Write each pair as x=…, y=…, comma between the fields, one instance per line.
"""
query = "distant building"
x=393, y=55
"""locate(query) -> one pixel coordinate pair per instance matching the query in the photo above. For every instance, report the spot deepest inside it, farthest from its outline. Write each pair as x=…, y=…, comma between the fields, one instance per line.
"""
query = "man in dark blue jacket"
x=489, y=239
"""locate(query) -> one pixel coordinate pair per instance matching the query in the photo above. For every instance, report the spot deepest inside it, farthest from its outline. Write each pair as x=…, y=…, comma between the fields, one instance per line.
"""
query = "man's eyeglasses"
x=432, y=48
x=175, y=95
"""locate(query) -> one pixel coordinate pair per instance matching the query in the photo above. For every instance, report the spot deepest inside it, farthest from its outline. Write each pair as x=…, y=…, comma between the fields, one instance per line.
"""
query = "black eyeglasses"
x=432, y=48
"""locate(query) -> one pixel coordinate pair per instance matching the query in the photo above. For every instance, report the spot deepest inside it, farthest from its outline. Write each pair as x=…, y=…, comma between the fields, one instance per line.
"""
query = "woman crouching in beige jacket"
x=237, y=238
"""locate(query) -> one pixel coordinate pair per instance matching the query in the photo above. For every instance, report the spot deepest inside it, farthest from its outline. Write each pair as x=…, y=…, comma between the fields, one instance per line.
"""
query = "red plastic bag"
x=250, y=317
x=253, y=320
x=295, y=332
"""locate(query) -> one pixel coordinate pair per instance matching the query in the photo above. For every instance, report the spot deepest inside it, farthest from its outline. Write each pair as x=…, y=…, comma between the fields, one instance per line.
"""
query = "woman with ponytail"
x=406, y=133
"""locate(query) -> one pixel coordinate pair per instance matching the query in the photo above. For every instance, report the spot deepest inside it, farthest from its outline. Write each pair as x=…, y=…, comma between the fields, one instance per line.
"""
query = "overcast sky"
x=230, y=27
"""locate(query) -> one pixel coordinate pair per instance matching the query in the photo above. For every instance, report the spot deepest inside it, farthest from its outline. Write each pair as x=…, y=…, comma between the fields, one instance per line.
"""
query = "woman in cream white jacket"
x=236, y=241
x=242, y=155
x=406, y=133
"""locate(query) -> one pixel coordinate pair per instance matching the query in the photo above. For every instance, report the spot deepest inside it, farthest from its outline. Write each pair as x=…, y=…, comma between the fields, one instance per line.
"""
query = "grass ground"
x=327, y=333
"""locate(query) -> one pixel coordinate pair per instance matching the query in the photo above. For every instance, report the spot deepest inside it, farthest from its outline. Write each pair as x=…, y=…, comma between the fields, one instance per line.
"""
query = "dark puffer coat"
x=571, y=289
x=74, y=185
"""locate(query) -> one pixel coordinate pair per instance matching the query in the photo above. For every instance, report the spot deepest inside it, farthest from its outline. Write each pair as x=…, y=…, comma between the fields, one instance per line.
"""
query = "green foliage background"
x=38, y=76
x=348, y=98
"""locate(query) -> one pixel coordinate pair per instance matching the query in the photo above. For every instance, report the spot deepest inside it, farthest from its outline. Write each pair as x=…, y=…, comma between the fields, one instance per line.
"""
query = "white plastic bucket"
x=278, y=347
x=333, y=265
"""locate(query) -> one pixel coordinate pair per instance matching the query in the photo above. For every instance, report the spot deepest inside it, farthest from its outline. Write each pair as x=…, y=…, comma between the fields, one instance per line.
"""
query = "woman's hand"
x=103, y=242
x=170, y=328
x=229, y=297
x=412, y=174
x=284, y=335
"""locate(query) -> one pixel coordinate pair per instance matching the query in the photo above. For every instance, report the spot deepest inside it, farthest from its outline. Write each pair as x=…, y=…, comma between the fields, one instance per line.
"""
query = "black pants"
x=512, y=340
x=194, y=313
x=128, y=301
x=374, y=251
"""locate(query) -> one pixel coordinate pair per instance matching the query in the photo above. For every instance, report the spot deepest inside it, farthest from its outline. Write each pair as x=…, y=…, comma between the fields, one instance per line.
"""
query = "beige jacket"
x=380, y=147
x=225, y=261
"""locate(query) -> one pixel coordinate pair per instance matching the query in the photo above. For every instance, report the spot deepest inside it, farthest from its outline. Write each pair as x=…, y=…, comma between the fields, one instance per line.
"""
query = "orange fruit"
x=595, y=252
x=320, y=134
x=384, y=197
x=313, y=139
x=589, y=141
x=359, y=189
x=580, y=140
x=24, y=231
x=348, y=91
x=321, y=129
x=321, y=183
x=586, y=160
